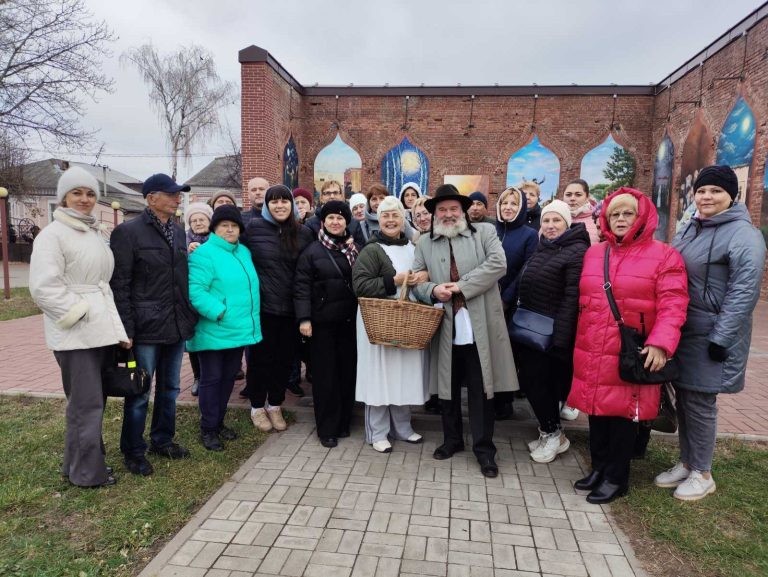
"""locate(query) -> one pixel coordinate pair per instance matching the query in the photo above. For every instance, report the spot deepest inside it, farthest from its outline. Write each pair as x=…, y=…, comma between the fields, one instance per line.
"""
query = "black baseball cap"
x=162, y=183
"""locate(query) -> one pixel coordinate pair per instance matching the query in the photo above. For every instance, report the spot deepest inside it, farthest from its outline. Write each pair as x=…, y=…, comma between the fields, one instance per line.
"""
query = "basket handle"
x=404, y=287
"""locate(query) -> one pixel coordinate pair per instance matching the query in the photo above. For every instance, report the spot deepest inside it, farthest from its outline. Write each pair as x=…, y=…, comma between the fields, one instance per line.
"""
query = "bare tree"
x=187, y=92
x=50, y=52
x=12, y=160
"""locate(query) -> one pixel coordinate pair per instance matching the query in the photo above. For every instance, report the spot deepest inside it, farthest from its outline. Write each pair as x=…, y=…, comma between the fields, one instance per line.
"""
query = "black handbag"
x=666, y=420
x=122, y=377
x=531, y=329
x=631, y=361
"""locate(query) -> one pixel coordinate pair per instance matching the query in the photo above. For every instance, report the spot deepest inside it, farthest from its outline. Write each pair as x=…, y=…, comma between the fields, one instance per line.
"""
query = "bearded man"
x=471, y=348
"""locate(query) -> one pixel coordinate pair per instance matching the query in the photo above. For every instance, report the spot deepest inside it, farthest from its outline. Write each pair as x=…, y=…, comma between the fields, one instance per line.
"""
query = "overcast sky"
x=436, y=42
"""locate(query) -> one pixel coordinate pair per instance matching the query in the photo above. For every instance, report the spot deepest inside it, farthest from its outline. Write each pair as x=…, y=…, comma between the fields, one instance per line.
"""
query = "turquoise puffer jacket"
x=223, y=283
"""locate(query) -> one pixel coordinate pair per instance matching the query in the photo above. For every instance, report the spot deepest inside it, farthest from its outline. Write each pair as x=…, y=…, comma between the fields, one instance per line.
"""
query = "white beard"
x=450, y=230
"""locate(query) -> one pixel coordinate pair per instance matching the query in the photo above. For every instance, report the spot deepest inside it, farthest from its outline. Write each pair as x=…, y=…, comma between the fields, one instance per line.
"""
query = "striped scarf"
x=346, y=246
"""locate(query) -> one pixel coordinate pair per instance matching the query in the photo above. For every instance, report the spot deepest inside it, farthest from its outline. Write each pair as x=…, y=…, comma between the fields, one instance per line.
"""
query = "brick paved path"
x=296, y=508
x=27, y=366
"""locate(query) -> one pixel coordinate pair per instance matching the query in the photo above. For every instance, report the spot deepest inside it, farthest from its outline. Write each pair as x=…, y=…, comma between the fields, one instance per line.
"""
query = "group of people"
x=260, y=281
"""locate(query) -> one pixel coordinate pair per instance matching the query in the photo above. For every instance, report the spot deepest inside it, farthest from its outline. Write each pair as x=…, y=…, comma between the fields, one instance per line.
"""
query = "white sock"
x=273, y=408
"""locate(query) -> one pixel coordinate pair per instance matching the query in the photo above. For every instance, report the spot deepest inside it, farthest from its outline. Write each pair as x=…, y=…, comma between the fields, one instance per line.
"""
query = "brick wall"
x=717, y=98
x=568, y=120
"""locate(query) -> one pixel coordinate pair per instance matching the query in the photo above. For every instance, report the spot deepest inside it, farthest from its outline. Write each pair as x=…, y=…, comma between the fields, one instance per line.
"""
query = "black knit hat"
x=227, y=212
x=336, y=207
x=479, y=196
x=447, y=192
x=278, y=191
x=722, y=176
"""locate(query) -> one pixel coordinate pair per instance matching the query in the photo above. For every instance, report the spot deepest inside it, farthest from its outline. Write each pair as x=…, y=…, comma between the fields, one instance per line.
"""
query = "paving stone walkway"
x=296, y=508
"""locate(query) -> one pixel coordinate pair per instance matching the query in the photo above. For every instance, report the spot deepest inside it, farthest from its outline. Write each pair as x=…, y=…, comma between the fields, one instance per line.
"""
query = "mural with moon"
x=535, y=162
x=405, y=163
x=736, y=145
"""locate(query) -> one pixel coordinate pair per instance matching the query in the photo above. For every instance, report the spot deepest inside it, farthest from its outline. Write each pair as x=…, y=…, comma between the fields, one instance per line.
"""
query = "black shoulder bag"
x=122, y=377
x=631, y=361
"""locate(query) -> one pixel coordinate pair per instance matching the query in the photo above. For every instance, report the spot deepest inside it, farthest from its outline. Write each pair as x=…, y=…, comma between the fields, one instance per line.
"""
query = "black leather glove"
x=717, y=353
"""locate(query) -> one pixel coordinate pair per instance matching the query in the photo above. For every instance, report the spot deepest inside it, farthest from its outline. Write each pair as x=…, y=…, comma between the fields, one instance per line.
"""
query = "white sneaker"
x=533, y=445
x=569, y=413
x=382, y=446
x=414, y=439
x=695, y=487
x=672, y=477
x=550, y=447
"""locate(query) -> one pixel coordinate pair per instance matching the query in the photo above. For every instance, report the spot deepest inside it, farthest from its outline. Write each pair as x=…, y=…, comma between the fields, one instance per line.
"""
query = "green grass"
x=723, y=535
x=50, y=528
x=20, y=305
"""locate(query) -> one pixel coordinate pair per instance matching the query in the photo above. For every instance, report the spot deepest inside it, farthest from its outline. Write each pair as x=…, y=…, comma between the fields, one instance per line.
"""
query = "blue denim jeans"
x=164, y=362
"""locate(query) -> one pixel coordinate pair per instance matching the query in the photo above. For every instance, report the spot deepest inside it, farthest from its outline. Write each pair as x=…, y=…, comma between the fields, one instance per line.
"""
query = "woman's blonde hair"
x=622, y=200
x=502, y=197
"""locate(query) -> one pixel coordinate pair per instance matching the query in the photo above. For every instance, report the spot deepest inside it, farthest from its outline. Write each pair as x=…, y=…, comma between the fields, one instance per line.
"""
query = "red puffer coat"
x=651, y=290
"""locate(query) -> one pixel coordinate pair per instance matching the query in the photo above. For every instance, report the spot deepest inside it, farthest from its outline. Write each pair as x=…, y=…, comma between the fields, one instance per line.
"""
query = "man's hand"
x=126, y=344
x=443, y=292
x=418, y=277
x=305, y=328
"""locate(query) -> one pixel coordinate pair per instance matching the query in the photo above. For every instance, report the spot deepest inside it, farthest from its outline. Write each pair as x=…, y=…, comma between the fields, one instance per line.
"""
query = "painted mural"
x=469, y=183
x=594, y=166
x=662, y=184
x=764, y=208
x=536, y=162
x=338, y=161
x=291, y=165
x=697, y=153
x=405, y=163
x=736, y=144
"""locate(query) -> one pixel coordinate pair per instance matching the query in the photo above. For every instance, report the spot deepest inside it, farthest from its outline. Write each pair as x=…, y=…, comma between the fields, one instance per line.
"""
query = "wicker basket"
x=399, y=323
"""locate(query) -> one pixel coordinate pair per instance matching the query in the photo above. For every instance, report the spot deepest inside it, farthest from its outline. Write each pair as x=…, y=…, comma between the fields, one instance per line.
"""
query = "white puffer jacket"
x=69, y=280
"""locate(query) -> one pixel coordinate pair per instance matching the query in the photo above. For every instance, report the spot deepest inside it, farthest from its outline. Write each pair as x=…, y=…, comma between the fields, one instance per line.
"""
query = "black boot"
x=589, y=482
x=606, y=492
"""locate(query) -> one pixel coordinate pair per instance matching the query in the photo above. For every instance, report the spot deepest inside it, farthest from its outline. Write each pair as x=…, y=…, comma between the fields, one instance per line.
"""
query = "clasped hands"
x=445, y=291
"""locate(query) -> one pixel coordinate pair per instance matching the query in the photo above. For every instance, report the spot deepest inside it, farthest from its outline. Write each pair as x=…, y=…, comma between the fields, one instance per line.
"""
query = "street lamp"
x=115, y=207
x=4, y=234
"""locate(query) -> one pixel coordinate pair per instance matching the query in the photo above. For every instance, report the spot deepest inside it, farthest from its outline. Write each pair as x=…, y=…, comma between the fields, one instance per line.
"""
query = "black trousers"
x=333, y=351
x=466, y=370
x=217, y=379
x=194, y=362
x=271, y=360
x=611, y=444
x=543, y=378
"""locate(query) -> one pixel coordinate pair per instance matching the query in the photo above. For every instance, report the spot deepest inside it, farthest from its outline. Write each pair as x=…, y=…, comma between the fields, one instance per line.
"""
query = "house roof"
x=221, y=172
x=42, y=176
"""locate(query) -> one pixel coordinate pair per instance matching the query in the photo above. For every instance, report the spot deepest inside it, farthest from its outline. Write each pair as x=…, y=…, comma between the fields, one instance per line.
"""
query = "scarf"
x=194, y=237
x=585, y=208
x=345, y=245
x=87, y=219
x=165, y=229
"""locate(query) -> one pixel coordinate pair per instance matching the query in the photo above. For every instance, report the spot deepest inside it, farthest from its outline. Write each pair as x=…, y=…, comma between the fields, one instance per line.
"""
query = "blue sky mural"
x=662, y=184
x=736, y=144
x=290, y=165
x=336, y=160
x=405, y=163
x=535, y=161
x=594, y=161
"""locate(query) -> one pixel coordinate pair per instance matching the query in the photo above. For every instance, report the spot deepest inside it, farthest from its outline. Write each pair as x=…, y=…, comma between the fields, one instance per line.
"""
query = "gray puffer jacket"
x=724, y=256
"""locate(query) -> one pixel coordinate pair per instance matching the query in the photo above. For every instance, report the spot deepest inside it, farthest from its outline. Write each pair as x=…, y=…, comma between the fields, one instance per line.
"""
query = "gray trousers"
x=380, y=420
x=697, y=428
x=83, y=445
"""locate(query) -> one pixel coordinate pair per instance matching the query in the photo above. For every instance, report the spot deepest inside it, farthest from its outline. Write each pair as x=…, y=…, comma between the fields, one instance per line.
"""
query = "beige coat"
x=481, y=263
x=69, y=280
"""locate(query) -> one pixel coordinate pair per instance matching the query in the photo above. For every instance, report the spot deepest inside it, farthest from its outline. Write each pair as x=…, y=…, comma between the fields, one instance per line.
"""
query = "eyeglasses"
x=625, y=214
x=331, y=193
x=228, y=225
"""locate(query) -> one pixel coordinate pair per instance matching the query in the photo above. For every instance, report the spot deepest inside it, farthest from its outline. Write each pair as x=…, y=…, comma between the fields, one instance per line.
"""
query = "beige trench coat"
x=481, y=263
